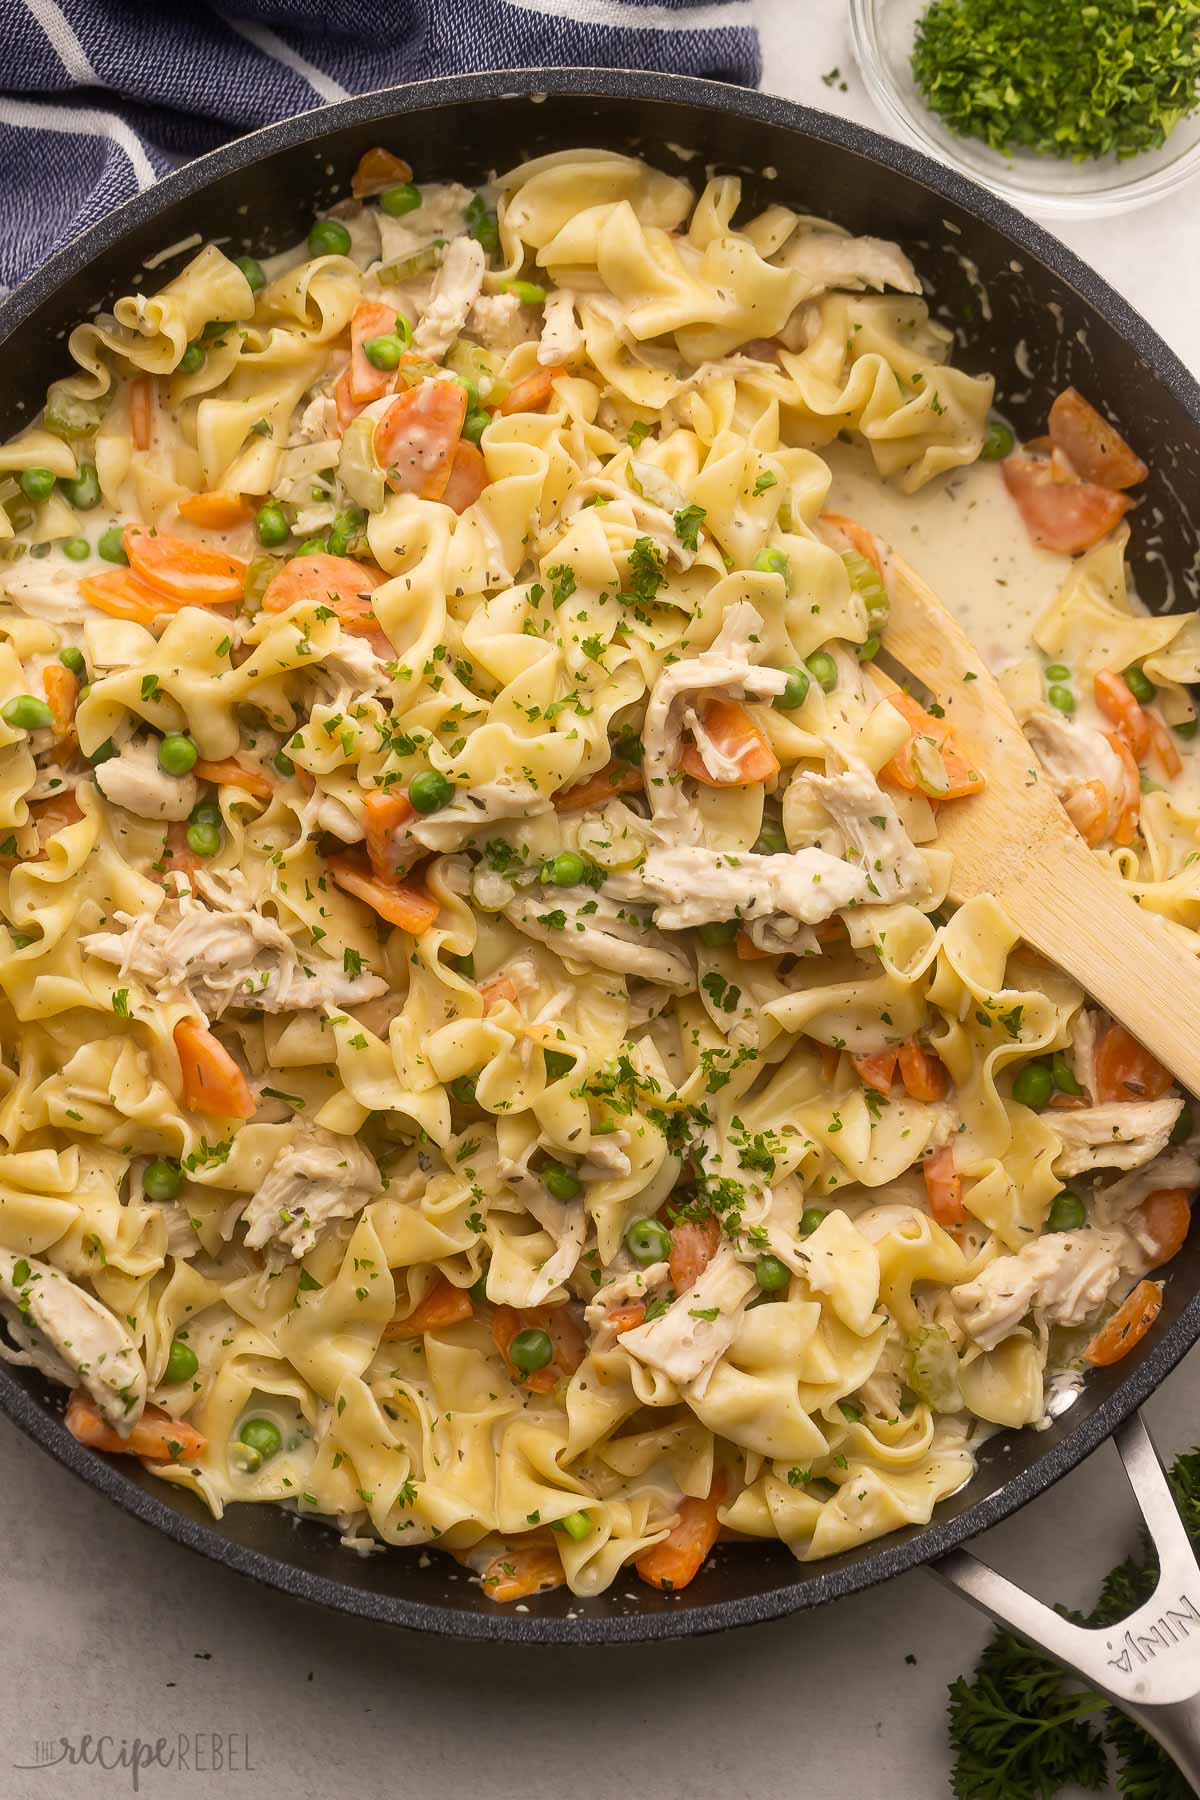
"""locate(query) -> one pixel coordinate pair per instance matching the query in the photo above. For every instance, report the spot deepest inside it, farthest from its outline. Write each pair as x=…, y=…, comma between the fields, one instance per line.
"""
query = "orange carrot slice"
x=443, y=1305
x=749, y=951
x=924, y=1075
x=496, y=992
x=533, y=393
x=141, y=412
x=383, y=815
x=408, y=907
x=212, y=1081
x=1064, y=516
x=216, y=511
x=333, y=581
x=62, y=691
x=1088, y=809
x=862, y=540
x=187, y=573
x=678, y=1559
x=346, y=405
x=1094, y=448
x=1122, y=710
x=735, y=735
x=416, y=438
x=877, y=1071
x=901, y=771
x=943, y=1186
x=123, y=595
x=1125, y=1070
x=1127, y=1327
x=522, y=1570
x=694, y=1243
x=1162, y=746
x=378, y=169
x=228, y=773
x=627, y=1317
x=468, y=477
x=371, y=319
x=156, y=1436
x=1166, y=1219
x=565, y=1336
x=616, y=778
x=1130, y=800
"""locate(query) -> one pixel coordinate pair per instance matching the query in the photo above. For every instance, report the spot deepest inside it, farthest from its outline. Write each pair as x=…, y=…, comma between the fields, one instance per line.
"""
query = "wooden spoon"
x=1015, y=841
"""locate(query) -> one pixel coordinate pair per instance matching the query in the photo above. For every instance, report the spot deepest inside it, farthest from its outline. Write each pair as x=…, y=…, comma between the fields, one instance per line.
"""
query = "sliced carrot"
x=627, y=1317
x=468, y=477
x=924, y=1075
x=383, y=815
x=749, y=951
x=568, y=1341
x=141, y=412
x=371, y=319
x=416, y=438
x=62, y=691
x=443, y=1305
x=694, y=1243
x=615, y=778
x=1162, y=746
x=1127, y=1327
x=862, y=540
x=877, y=1071
x=334, y=581
x=229, y=773
x=678, y=1559
x=156, y=1436
x=736, y=736
x=346, y=405
x=1063, y=516
x=177, y=857
x=1167, y=1219
x=56, y=813
x=1122, y=710
x=123, y=595
x=522, y=1570
x=1088, y=809
x=1125, y=1070
x=962, y=779
x=212, y=1081
x=216, y=511
x=187, y=573
x=533, y=393
x=943, y=1186
x=378, y=169
x=496, y=992
x=409, y=907
x=1094, y=448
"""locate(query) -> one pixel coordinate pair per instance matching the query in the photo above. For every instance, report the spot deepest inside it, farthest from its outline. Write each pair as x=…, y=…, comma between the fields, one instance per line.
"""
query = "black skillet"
x=1001, y=281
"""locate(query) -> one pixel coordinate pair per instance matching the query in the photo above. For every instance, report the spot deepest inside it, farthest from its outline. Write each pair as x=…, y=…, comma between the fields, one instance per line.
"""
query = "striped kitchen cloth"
x=98, y=98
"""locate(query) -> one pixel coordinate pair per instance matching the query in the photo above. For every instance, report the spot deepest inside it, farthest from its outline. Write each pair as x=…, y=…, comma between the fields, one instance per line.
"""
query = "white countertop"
x=111, y=1631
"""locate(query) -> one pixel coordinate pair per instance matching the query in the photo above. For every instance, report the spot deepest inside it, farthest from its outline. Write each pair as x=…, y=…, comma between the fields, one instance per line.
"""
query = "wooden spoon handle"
x=1067, y=905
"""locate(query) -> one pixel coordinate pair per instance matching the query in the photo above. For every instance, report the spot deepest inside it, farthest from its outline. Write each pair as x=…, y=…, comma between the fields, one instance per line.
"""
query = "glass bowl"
x=883, y=32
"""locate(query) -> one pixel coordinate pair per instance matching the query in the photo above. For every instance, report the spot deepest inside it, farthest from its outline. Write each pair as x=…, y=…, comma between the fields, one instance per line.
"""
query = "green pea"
x=429, y=791
x=204, y=839
x=772, y=562
x=384, y=352
x=481, y=223
x=312, y=546
x=214, y=329
x=576, y=1525
x=530, y=1351
x=271, y=527
x=177, y=754
x=478, y=1289
x=1067, y=1212
x=1064, y=1075
x=112, y=545
x=1186, y=728
x=77, y=548
x=103, y=752
x=346, y=527
x=83, y=490
x=1181, y=1130
x=21, y=939
x=771, y=1274
x=472, y=392
x=396, y=201
x=1033, y=1085
x=465, y=966
x=567, y=869
x=796, y=691
x=770, y=841
x=36, y=484
x=529, y=293
x=823, y=670
x=647, y=1242
x=193, y=358
x=162, y=1179
x=869, y=649
x=1058, y=672
x=474, y=426
x=206, y=812
x=328, y=238
x=72, y=659
x=997, y=443
x=262, y=1435
x=254, y=272
x=560, y=1181
x=462, y=1089
x=182, y=1363
x=718, y=932
x=810, y=1218
x=283, y=763
x=1062, y=698
x=1139, y=684
x=851, y=1413
x=25, y=713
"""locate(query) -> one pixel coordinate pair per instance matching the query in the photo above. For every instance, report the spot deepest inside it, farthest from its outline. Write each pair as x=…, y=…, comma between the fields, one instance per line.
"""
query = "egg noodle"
x=487, y=1058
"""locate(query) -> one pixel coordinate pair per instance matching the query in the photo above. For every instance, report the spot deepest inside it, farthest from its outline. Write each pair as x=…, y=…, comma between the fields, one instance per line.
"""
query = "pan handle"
x=1149, y=1663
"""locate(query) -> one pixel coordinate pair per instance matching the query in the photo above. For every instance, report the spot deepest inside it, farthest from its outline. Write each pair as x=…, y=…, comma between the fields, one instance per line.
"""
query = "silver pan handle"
x=1149, y=1663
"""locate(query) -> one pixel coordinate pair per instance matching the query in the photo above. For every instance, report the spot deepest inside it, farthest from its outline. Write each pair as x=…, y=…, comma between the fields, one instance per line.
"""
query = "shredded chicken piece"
x=133, y=779
x=828, y=260
x=692, y=886
x=319, y=1178
x=892, y=866
x=1123, y=1134
x=1173, y=1169
x=1064, y=1276
x=1074, y=754
x=69, y=1335
x=500, y=322
x=455, y=290
x=682, y=1343
x=600, y=939
x=562, y=335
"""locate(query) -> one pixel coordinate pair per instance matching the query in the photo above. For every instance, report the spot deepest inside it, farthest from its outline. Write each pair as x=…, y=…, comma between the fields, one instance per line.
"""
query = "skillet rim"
x=41, y=1422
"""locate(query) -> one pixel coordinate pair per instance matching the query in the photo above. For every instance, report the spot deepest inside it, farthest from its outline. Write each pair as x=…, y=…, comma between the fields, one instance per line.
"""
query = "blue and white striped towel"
x=98, y=98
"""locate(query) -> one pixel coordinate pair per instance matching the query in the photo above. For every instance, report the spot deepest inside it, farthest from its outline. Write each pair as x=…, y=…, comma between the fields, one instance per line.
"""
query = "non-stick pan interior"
x=1022, y=307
